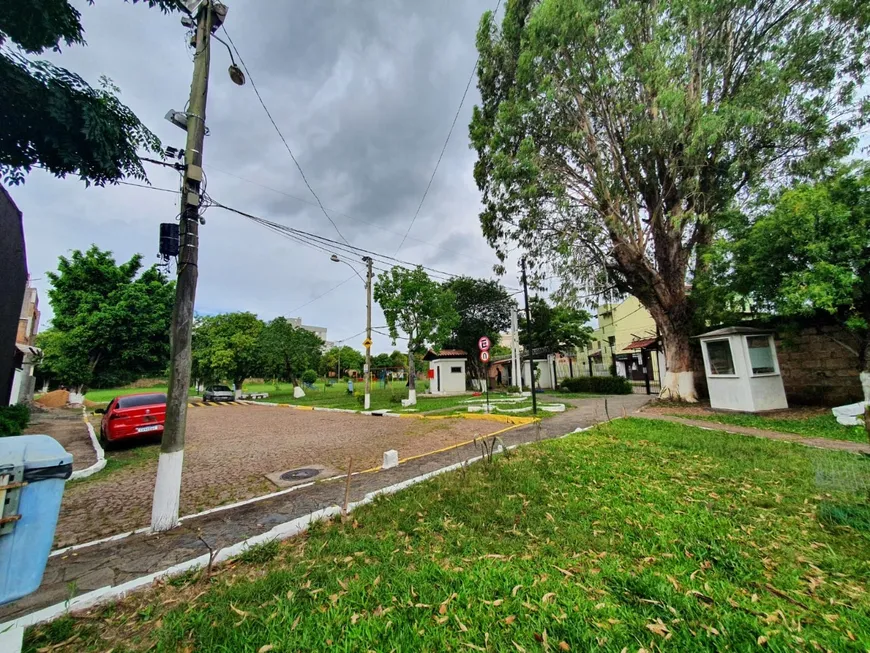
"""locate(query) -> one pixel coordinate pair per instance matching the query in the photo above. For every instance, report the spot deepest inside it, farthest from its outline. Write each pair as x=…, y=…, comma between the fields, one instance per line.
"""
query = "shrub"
x=512, y=388
x=605, y=385
x=395, y=398
x=309, y=377
x=14, y=419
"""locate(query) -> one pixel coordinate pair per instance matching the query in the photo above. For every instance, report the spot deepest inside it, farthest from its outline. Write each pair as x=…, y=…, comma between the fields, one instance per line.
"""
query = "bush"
x=512, y=388
x=14, y=419
x=309, y=377
x=604, y=385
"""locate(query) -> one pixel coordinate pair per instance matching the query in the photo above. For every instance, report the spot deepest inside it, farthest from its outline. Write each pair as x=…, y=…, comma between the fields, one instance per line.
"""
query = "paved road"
x=113, y=563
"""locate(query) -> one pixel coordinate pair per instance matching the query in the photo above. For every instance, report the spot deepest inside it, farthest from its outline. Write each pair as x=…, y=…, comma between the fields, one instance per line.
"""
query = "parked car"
x=132, y=416
x=218, y=393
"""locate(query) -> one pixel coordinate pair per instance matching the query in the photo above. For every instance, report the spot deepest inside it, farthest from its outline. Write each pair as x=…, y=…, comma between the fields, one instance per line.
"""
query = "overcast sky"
x=364, y=91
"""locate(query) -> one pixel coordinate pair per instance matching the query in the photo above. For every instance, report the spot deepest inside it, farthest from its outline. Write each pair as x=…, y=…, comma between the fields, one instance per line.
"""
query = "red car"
x=132, y=416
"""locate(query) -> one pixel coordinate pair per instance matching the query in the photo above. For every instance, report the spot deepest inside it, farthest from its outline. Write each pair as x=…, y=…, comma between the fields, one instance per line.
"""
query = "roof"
x=27, y=349
x=641, y=344
x=445, y=353
x=735, y=330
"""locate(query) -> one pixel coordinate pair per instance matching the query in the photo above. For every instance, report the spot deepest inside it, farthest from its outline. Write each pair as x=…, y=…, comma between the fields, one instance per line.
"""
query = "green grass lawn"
x=636, y=535
x=118, y=459
x=106, y=395
x=818, y=426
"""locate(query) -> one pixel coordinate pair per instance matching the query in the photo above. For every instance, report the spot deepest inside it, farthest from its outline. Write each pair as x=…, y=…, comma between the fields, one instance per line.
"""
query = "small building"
x=742, y=370
x=446, y=371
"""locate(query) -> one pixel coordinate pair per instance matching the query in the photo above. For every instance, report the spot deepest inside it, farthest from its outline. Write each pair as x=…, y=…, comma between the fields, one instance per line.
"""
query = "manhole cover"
x=300, y=474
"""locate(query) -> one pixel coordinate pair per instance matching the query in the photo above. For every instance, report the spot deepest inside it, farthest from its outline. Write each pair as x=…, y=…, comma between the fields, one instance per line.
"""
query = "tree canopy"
x=227, y=347
x=287, y=351
x=484, y=309
x=341, y=359
x=555, y=328
x=416, y=305
x=806, y=250
x=52, y=118
x=110, y=326
x=611, y=136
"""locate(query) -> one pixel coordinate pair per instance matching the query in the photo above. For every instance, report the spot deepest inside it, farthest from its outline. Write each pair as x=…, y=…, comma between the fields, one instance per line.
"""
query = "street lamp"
x=368, y=341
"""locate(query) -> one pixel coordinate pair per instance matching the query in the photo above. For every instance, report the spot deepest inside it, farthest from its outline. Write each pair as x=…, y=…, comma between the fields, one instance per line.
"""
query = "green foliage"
x=50, y=117
x=611, y=136
x=287, y=351
x=346, y=357
x=309, y=376
x=227, y=347
x=14, y=419
x=418, y=306
x=484, y=308
x=110, y=327
x=604, y=385
x=805, y=251
x=555, y=328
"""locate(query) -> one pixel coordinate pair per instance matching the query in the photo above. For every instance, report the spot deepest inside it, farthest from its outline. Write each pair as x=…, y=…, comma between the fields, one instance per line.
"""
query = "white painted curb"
x=101, y=455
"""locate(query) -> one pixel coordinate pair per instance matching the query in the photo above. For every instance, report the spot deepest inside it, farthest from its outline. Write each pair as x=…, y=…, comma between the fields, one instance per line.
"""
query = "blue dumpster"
x=33, y=470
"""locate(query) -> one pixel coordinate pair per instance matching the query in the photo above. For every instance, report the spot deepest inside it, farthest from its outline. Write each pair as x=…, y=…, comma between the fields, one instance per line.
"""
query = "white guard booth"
x=446, y=371
x=742, y=370
x=544, y=381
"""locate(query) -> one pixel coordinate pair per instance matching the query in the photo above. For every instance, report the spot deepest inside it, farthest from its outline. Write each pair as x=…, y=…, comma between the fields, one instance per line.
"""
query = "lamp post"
x=368, y=341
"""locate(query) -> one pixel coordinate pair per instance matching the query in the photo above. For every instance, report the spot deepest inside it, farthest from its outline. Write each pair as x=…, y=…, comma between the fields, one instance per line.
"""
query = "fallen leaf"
x=550, y=517
x=518, y=647
x=564, y=646
x=474, y=646
x=831, y=617
x=266, y=648
x=441, y=620
x=762, y=640
x=549, y=597
x=515, y=590
x=354, y=618
x=296, y=622
x=376, y=580
x=659, y=628
x=509, y=620
x=701, y=597
x=241, y=613
x=564, y=571
x=461, y=625
x=442, y=609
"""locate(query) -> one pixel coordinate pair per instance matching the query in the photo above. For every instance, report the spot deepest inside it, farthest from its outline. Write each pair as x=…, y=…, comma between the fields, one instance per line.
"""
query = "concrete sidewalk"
x=113, y=563
x=818, y=443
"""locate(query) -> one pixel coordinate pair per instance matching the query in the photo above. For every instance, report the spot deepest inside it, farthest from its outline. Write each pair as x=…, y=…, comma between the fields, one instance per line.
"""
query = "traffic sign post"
x=367, y=343
x=484, y=345
x=484, y=357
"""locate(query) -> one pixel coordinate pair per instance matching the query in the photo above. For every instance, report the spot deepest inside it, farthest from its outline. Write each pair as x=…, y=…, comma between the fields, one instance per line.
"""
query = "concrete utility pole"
x=516, y=363
x=167, y=489
x=529, y=331
x=368, y=369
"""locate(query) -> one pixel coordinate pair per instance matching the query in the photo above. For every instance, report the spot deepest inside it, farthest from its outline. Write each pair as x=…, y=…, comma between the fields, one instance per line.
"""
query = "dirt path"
x=819, y=443
x=67, y=426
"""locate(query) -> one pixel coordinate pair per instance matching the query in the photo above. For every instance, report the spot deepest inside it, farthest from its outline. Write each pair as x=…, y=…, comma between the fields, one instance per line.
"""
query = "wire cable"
x=444, y=147
x=284, y=140
x=322, y=295
x=164, y=190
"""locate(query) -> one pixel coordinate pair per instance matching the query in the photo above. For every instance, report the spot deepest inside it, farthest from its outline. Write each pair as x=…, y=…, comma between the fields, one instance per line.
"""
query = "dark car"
x=132, y=416
x=218, y=393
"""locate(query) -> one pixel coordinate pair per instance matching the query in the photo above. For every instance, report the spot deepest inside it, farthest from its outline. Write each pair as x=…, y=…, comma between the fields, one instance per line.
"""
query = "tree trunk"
x=412, y=377
x=237, y=387
x=674, y=324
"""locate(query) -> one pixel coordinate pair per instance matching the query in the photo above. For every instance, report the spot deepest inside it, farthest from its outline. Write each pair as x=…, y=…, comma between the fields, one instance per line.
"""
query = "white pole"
x=515, y=350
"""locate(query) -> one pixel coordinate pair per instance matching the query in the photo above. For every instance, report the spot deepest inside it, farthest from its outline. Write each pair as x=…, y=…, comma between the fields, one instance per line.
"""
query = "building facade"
x=320, y=332
x=13, y=281
x=28, y=322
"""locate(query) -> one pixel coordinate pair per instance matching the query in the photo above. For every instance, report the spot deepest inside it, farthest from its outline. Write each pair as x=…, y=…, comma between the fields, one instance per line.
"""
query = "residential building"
x=316, y=330
x=626, y=342
x=28, y=322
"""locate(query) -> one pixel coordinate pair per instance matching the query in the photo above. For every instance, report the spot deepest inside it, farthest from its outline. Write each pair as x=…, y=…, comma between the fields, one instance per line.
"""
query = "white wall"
x=445, y=381
x=545, y=381
x=742, y=391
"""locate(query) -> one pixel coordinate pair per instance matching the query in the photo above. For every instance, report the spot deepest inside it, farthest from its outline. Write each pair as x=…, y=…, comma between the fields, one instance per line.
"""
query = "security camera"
x=177, y=118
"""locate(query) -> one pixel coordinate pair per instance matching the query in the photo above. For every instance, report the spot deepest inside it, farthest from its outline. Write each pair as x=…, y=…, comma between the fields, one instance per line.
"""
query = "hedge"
x=602, y=385
x=14, y=419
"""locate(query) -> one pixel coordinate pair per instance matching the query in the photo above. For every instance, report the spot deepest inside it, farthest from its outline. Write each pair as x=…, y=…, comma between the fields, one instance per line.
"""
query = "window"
x=135, y=401
x=719, y=355
x=611, y=341
x=760, y=354
x=456, y=370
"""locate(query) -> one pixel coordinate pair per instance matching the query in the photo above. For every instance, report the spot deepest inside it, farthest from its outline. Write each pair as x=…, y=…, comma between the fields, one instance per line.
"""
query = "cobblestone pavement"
x=818, y=443
x=228, y=451
x=67, y=427
x=119, y=561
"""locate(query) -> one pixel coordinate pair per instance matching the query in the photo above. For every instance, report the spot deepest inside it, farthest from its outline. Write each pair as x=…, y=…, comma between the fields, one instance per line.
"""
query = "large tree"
x=110, y=324
x=52, y=118
x=804, y=252
x=558, y=329
x=421, y=308
x=287, y=351
x=484, y=308
x=227, y=347
x=612, y=135
x=341, y=359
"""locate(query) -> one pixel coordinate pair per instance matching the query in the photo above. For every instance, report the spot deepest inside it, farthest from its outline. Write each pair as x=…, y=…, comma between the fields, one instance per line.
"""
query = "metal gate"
x=648, y=383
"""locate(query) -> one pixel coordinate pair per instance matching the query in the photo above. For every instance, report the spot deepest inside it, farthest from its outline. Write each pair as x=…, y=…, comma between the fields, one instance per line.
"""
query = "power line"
x=333, y=211
x=444, y=147
x=284, y=140
x=164, y=190
x=336, y=287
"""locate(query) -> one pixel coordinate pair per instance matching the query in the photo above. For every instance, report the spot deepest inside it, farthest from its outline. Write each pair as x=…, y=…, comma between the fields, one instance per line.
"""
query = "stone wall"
x=816, y=371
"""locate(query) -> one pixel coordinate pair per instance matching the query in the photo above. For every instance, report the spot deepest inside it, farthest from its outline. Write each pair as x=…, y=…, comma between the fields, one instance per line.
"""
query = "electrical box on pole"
x=168, y=240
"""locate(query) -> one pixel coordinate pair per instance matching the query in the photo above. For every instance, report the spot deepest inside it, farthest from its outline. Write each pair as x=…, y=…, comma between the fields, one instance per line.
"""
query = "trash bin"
x=33, y=470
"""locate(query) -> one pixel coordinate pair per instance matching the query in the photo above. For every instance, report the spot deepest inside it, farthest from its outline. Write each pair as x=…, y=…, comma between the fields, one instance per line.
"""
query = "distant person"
x=498, y=376
x=350, y=386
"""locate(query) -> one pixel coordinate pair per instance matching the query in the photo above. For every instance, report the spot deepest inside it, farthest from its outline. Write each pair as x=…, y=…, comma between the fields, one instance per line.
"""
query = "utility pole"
x=167, y=489
x=368, y=370
x=516, y=363
x=529, y=331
